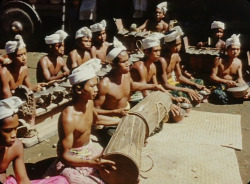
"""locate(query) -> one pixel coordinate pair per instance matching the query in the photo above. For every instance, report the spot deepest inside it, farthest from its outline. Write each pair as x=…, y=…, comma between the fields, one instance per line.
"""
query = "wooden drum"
x=125, y=145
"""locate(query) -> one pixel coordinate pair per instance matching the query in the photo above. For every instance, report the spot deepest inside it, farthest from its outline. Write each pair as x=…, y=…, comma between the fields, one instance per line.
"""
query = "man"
x=173, y=79
x=82, y=53
x=116, y=86
x=49, y=66
x=7, y=82
x=78, y=158
x=227, y=71
x=100, y=45
x=11, y=149
x=17, y=53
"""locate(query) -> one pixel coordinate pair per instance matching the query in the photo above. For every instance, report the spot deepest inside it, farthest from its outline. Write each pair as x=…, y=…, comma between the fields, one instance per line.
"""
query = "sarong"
x=10, y=180
x=219, y=94
x=83, y=175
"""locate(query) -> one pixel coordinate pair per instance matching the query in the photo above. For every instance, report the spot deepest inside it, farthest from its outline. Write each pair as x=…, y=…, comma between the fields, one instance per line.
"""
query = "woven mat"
x=189, y=163
x=204, y=128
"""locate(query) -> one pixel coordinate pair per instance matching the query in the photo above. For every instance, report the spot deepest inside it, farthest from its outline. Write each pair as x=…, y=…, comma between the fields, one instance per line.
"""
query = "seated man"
x=49, y=66
x=79, y=158
x=116, y=86
x=227, y=71
x=157, y=23
x=172, y=76
x=82, y=53
x=7, y=82
x=17, y=53
x=99, y=41
x=11, y=149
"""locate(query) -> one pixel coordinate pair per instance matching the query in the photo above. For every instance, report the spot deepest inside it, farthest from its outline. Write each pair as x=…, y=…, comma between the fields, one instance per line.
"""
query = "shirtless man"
x=173, y=79
x=115, y=87
x=79, y=158
x=157, y=24
x=7, y=82
x=49, y=66
x=82, y=53
x=17, y=53
x=216, y=41
x=11, y=149
x=100, y=45
x=227, y=70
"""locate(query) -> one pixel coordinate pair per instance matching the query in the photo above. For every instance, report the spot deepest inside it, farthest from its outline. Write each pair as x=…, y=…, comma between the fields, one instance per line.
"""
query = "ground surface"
x=38, y=157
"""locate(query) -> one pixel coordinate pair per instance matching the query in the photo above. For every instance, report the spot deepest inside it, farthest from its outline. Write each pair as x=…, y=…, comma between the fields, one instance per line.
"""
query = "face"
x=176, y=47
x=21, y=57
x=159, y=14
x=218, y=33
x=85, y=43
x=155, y=53
x=90, y=88
x=59, y=48
x=123, y=63
x=102, y=36
x=8, y=130
x=233, y=51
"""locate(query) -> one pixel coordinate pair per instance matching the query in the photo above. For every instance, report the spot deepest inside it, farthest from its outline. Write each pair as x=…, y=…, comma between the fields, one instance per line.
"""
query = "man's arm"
x=7, y=83
x=72, y=60
x=240, y=76
x=18, y=164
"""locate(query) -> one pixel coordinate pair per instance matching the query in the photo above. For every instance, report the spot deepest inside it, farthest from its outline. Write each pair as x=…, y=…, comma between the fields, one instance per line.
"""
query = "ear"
x=78, y=89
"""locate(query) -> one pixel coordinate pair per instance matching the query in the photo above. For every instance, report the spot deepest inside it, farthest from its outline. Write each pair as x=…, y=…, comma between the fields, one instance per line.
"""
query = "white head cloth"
x=217, y=25
x=118, y=47
x=9, y=106
x=149, y=42
x=58, y=37
x=98, y=26
x=83, y=32
x=12, y=46
x=85, y=71
x=176, y=33
x=234, y=40
x=163, y=7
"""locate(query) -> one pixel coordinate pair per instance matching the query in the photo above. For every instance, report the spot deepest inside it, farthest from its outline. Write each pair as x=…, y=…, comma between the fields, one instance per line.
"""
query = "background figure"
x=88, y=12
x=140, y=7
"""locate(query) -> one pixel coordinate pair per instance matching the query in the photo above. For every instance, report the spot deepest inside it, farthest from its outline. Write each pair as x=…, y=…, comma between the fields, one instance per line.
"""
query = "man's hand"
x=160, y=88
x=231, y=84
x=175, y=110
x=194, y=95
x=121, y=112
x=182, y=100
x=103, y=164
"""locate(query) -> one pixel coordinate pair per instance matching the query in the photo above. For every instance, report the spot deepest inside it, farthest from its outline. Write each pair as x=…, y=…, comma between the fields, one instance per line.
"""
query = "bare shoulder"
x=138, y=65
x=16, y=148
x=103, y=85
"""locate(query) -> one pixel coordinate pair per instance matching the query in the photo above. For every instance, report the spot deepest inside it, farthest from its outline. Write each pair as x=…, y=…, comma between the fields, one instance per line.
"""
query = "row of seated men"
x=102, y=101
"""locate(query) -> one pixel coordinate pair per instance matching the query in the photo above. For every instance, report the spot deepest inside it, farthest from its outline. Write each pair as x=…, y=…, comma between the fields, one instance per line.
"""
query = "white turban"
x=176, y=33
x=58, y=37
x=234, y=40
x=83, y=32
x=12, y=46
x=98, y=26
x=217, y=25
x=9, y=106
x=150, y=42
x=162, y=6
x=118, y=47
x=85, y=71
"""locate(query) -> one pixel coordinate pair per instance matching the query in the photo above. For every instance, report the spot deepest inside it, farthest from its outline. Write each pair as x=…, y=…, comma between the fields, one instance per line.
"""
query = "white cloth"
x=233, y=40
x=58, y=37
x=83, y=32
x=163, y=7
x=85, y=71
x=98, y=26
x=12, y=46
x=118, y=47
x=176, y=33
x=150, y=42
x=9, y=106
x=217, y=25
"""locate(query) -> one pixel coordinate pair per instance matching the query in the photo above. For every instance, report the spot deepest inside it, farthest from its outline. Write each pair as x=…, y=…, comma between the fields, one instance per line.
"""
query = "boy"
x=79, y=159
x=100, y=45
x=82, y=53
x=217, y=29
x=7, y=82
x=227, y=70
x=174, y=79
x=17, y=53
x=157, y=24
x=49, y=66
x=11, y=149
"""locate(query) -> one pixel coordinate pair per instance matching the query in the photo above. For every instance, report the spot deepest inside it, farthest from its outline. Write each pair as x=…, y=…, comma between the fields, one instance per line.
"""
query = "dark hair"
x=79, y=86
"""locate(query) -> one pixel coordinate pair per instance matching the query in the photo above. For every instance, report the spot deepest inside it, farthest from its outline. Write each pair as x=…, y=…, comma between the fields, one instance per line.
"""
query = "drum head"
x=126, y=171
